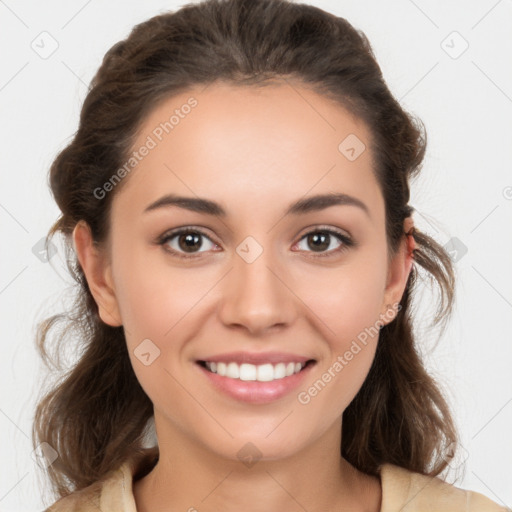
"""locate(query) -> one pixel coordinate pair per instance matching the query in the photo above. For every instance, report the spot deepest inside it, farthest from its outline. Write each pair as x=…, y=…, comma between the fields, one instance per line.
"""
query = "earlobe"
x=97, y=271
x=411, y=246
x=400, y=268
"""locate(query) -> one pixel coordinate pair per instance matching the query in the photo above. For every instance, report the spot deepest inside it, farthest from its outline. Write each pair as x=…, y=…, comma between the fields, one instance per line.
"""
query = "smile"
x=256, y=384
x=250, y=372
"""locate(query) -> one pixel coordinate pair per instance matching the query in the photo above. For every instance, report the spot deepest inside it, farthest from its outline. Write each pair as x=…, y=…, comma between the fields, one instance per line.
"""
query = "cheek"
x=158, y=303
x=347, y=299
x=348, y=316
x=156, y=299
x=154, y=296
x=346, y=303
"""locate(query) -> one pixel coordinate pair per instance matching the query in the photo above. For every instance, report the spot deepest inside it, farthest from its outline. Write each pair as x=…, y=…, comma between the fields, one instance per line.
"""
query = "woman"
x=235, y=203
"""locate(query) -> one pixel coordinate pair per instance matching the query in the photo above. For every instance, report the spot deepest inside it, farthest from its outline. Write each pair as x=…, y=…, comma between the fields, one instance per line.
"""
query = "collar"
x=401, y=490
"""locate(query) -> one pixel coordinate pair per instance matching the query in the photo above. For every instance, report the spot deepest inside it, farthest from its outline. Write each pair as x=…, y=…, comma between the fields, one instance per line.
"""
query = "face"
x=252, y=274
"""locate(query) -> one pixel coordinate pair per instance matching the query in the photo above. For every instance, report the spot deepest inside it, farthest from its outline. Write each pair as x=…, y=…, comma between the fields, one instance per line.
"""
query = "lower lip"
x=256, y=392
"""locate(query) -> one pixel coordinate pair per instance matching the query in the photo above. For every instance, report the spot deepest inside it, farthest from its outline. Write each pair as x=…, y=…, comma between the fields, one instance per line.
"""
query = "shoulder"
x=409, y=491
x=83, y=500
x=113, y=492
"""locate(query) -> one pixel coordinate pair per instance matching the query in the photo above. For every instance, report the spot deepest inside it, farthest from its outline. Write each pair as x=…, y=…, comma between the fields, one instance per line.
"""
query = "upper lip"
x=257, y=358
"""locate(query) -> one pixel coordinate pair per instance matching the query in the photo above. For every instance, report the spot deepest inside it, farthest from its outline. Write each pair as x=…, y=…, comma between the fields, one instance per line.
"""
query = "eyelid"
x=172, y=233
x=184, y=229
x=325, y=227
x=344, y=237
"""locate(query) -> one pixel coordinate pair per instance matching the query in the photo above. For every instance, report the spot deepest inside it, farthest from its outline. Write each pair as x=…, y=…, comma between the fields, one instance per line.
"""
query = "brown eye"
x=325, y=242
x=189, y=242
x=186, y=243
x=320, y=240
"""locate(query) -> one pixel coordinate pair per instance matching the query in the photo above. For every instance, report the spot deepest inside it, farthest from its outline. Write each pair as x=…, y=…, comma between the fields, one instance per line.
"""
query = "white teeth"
x=221, y=369
x=279, y=371
x=232, y=371
x=265, y=372
x=250, y=372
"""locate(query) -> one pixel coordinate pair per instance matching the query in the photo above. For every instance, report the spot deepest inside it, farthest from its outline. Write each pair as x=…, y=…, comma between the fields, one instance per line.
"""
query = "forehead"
x=271, y=144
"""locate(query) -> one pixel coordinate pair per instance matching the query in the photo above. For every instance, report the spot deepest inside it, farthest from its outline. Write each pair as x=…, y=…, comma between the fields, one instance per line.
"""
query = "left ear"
x=399, y=270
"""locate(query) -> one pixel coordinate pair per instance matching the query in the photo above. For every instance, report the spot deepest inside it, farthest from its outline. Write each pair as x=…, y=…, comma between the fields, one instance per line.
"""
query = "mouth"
x=247, y=372
x=256, y=384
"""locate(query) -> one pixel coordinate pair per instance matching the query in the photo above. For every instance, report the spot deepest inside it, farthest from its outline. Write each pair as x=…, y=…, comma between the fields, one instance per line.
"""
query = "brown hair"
x=95, y=416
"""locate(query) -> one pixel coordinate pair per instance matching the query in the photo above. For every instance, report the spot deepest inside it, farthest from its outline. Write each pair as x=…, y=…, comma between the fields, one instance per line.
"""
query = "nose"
x=256, y=296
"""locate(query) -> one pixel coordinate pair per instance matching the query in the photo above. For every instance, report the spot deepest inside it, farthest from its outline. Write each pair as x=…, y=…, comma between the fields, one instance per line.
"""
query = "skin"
x=254, y=151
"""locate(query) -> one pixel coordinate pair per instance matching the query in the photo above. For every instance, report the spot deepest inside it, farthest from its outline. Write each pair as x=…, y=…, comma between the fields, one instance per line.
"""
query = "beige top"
x=402, y=491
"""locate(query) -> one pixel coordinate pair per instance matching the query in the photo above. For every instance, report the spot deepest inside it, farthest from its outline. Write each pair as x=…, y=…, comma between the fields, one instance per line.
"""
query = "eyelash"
x=347, y=242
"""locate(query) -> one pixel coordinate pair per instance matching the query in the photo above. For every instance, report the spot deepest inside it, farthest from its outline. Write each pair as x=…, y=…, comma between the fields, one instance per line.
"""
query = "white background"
x=465, y=191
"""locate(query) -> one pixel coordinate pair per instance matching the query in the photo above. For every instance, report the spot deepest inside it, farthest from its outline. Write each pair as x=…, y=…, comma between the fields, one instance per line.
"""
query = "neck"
x=189, y=476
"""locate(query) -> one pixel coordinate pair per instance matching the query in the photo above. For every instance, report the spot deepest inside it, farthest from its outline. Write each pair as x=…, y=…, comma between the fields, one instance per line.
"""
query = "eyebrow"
x=300, y=207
